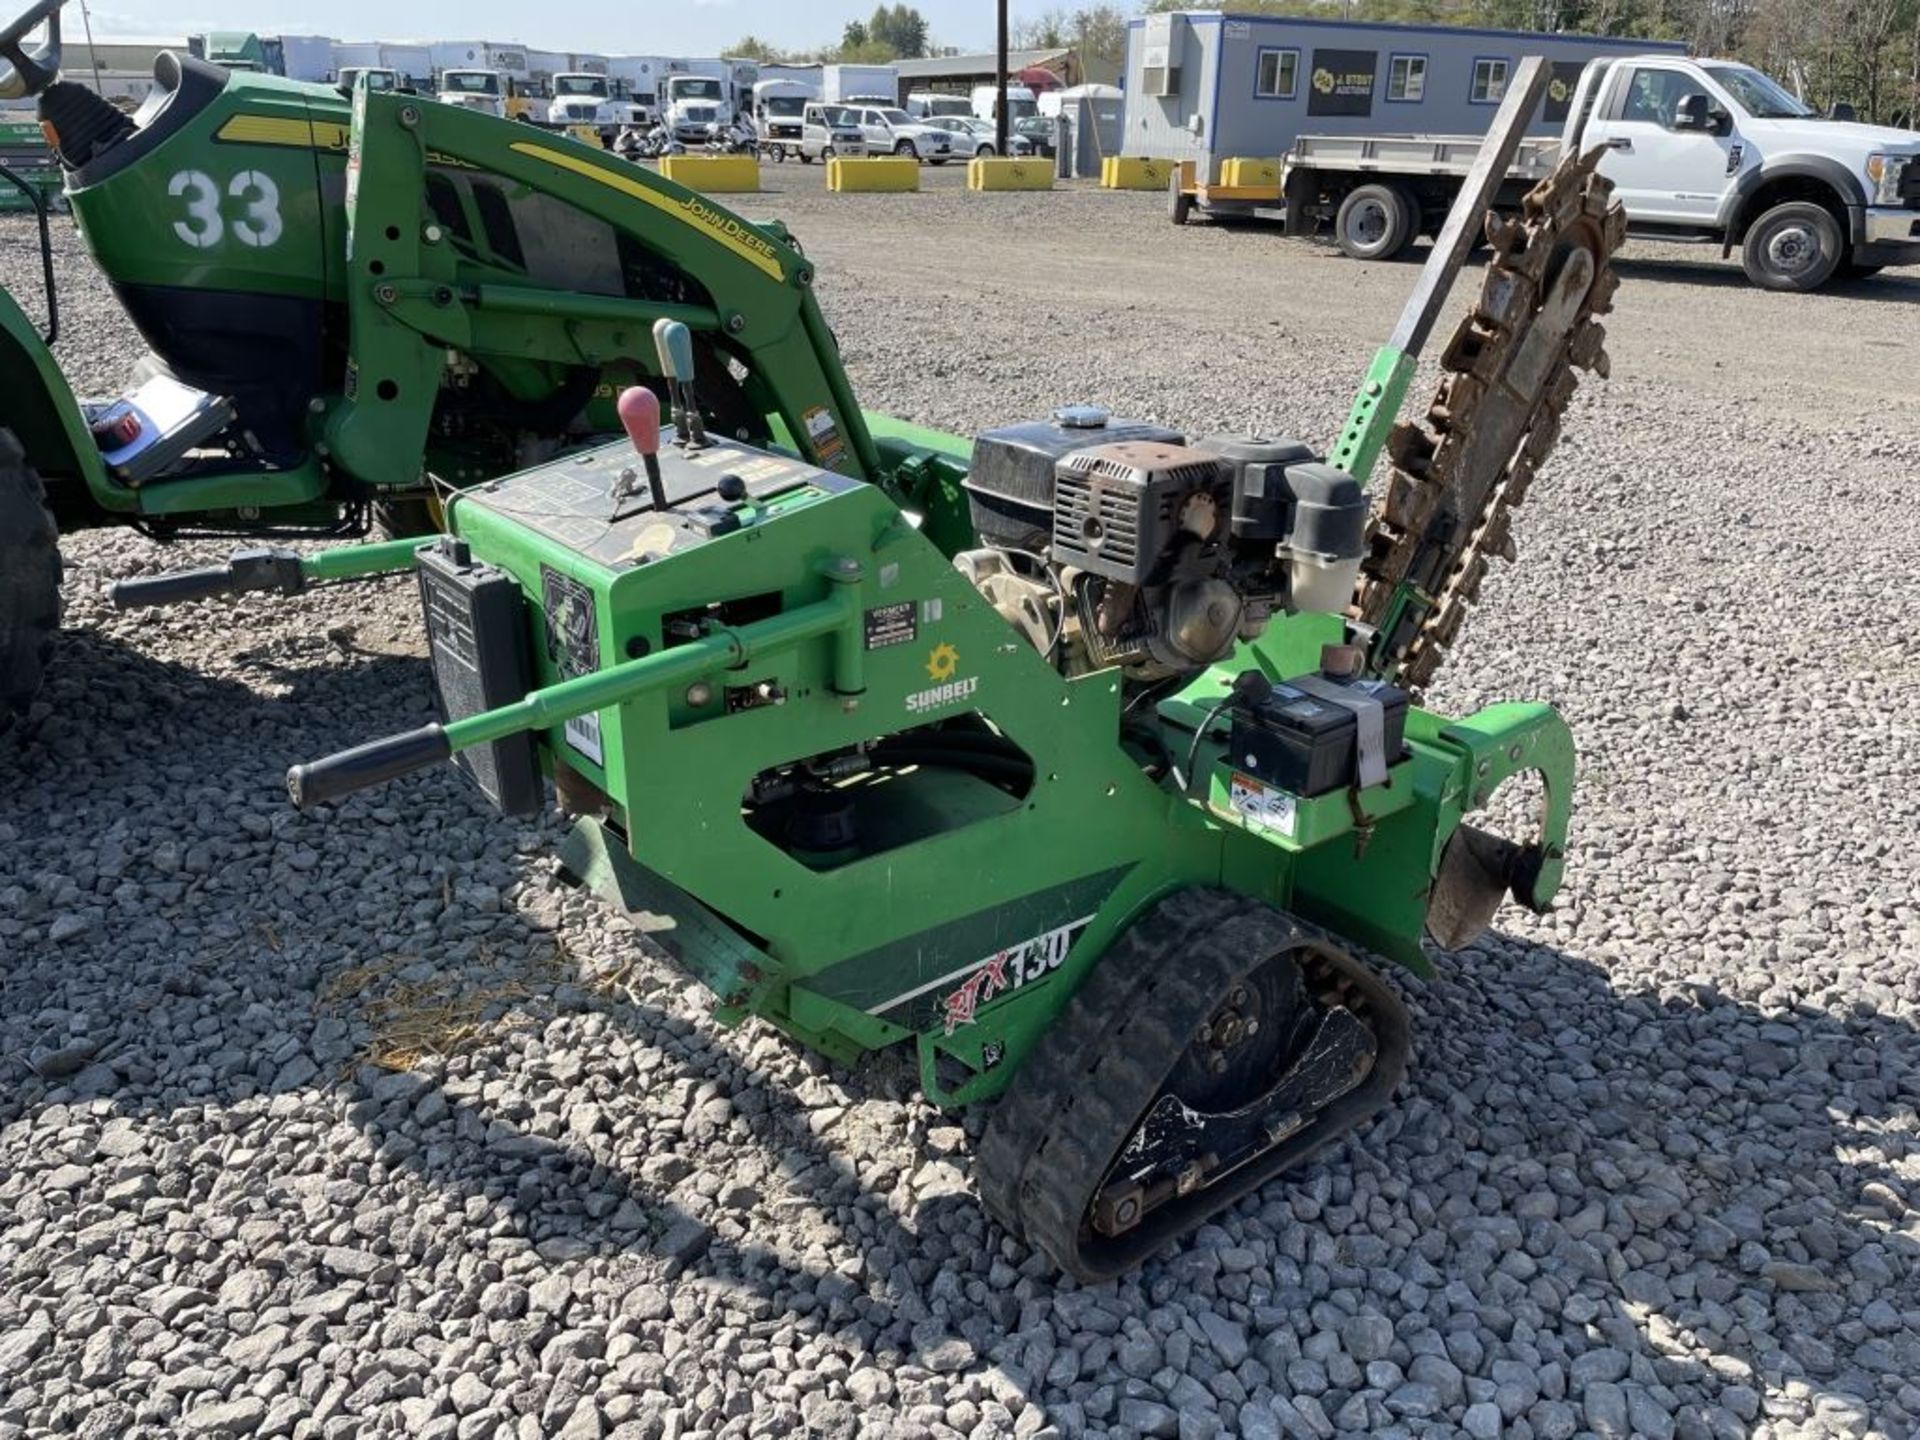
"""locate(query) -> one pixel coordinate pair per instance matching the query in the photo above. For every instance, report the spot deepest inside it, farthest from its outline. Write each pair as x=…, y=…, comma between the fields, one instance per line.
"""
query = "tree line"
x=1865, y=53
x=892, y=32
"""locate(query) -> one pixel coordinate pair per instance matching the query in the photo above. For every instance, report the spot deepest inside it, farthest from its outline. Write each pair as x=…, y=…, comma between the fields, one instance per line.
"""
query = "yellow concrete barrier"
x=714, y=174
x=995, y=173
x=1245, y=172
x=881, y=172
x=1134, y=172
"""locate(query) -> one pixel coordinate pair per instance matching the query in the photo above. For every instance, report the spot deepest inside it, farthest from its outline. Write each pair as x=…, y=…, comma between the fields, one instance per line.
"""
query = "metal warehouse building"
x=1202, y=85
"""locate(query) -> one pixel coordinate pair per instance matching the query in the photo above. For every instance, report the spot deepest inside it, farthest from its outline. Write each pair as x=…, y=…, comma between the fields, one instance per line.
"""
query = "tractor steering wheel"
x=22, y=74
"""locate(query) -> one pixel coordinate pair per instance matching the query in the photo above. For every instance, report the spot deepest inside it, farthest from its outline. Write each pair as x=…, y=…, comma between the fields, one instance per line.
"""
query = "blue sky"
x=647, y=27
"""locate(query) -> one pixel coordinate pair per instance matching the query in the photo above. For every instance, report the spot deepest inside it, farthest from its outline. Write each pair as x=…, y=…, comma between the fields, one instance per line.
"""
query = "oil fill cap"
x=1080, y=417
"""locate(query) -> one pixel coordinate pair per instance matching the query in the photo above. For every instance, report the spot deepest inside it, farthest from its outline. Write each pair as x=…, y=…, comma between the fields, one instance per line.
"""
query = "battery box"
x=476, y=621
x=1306, y=743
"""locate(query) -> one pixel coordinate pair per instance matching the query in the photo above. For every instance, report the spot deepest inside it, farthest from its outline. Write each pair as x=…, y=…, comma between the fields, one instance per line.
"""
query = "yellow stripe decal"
x=288, y=130
x=734, y=234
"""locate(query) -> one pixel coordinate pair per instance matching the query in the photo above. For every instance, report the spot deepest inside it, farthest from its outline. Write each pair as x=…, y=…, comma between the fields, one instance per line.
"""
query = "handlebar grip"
x=373, y=763
x=172, y=588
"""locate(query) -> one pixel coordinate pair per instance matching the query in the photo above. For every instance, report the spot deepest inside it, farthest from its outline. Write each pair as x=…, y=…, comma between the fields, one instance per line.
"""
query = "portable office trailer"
x=1203, y=85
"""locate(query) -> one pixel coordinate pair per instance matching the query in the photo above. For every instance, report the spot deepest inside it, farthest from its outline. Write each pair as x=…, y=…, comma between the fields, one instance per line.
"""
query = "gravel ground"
x=1656, y=1171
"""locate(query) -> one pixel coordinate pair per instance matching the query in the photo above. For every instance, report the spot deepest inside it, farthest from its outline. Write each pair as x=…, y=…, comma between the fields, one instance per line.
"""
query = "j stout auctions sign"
x=1341, y=82
x=1559, y=97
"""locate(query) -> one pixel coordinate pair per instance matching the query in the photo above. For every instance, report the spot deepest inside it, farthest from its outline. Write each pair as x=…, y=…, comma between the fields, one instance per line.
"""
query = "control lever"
x=674, y=342
x=639, y=411
x=268, y=568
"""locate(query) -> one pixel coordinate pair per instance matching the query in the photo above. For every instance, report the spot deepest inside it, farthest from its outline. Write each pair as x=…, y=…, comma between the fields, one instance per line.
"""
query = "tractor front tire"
x=411, y=516
x=29, y=581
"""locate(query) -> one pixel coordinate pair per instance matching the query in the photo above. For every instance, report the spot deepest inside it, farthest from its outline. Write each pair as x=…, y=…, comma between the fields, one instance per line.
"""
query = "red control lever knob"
x=639, y=411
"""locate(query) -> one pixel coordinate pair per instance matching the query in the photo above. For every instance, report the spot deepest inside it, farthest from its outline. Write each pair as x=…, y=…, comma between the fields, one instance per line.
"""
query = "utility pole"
x=1000, y=83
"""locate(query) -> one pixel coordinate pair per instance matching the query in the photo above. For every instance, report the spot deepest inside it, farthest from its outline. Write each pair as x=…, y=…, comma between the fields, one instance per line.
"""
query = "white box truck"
x=412, y=62
x=841, y=83
x=307, y=57
x=636, y=80
x=1020, y=103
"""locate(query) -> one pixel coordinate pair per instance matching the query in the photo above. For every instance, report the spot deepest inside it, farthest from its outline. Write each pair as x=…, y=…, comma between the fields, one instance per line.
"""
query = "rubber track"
x=30, y=573
x=1052, y=1138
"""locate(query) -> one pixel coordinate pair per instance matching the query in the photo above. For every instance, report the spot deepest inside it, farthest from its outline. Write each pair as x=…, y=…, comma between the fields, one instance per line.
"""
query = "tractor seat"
x=99, y=144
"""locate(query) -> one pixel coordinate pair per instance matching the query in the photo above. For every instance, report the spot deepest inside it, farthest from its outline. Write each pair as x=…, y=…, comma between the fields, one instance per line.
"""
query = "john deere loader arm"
x=472, y=242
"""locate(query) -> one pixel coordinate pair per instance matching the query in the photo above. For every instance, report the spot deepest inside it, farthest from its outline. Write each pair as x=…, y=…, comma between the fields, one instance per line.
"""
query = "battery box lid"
x=1294, y=710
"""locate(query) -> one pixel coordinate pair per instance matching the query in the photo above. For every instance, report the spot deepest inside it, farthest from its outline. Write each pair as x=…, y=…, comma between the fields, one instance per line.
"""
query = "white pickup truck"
x=1707, y=151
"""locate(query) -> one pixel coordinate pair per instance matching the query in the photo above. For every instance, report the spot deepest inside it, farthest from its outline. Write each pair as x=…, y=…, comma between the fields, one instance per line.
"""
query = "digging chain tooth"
x=1498, y=539
x=1561, y=390
x=1588, y=347
x=1437, y=519
x=1410, y=449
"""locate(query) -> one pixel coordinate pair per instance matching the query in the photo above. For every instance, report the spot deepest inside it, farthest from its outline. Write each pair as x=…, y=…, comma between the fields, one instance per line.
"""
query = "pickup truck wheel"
x=1375, y=222
x=29, y=581
x=1179, y=200
x=1795, y=246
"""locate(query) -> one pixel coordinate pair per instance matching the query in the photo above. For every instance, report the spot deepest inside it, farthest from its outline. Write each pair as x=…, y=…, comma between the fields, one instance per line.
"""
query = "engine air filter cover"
x=1010, y=479
x=1117, y=508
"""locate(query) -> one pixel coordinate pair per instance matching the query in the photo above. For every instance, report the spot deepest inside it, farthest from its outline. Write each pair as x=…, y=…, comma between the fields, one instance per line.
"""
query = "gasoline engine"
x=1119, y=544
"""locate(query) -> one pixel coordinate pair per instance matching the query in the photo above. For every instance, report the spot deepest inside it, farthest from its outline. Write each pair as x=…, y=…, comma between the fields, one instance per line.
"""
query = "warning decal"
x=1262, y=806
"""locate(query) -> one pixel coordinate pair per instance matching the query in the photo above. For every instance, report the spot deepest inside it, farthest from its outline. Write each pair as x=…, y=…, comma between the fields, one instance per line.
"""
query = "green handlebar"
x=722, y=648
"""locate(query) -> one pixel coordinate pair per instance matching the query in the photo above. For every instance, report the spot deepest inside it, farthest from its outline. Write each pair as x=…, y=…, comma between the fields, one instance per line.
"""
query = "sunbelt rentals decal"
x=949, y=687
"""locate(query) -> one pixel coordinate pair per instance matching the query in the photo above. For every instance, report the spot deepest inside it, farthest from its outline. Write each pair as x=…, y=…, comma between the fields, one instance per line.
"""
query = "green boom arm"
x=1377, y=405
x=415, y=291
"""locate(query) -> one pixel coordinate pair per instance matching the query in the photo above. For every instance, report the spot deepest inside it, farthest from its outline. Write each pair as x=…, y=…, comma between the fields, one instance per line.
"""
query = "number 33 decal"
x=257, y=225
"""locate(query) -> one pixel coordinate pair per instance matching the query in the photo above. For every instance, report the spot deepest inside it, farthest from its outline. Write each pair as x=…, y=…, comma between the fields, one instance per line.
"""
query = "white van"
x=829, y=130
x=1020, y=103
x=932, y=105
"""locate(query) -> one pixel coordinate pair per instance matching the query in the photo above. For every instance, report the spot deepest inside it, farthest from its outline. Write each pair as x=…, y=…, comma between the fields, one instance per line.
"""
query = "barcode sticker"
x=583, y=734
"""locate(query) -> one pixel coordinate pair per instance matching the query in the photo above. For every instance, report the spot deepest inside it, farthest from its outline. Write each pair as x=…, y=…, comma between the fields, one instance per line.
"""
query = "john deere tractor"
x=1082, y=755
x=354, y=303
